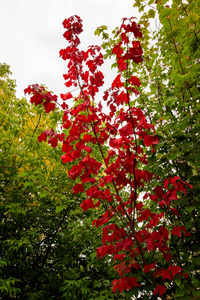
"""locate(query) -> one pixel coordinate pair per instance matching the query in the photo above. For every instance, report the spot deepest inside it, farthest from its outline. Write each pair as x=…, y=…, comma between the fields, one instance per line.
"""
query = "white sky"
x=31, y=35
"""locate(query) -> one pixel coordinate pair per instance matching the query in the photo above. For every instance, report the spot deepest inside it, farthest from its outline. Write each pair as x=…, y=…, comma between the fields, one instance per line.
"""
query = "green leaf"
x=28, y=183
x=189, y=208
x=178, y=280
x=43, y=194
x=60, y=208
x=165, y=12
x=170, y=100
x=24, y=174
x=151, y=13
x=99, y=30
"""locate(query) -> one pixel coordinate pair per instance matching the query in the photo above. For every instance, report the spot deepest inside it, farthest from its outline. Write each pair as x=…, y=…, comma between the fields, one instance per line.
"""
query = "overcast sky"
x=31, y=35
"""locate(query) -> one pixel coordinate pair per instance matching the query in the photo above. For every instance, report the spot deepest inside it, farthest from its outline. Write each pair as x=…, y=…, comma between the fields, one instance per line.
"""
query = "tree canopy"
x=120, y=184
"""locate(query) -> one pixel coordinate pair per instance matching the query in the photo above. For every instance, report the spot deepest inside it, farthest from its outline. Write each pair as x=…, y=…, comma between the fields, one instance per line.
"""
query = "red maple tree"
x=134, y=234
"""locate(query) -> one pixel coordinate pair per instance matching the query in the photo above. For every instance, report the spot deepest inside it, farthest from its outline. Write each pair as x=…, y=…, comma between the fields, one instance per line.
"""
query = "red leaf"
x=91, y=180
x=124, y=38
x=75, y=172
x=108, y=178
x=126, y=130
x=78, y=188
x=86, y=204
x=67, y=124
x=176, y=231
x=111, y=153
x=147, y=268
x=175, y=270
x=181, y=187
x=61, y=137
x=104, y=250
x=124, y=245
x=174, y=211
x=144, y=215
x=107, y=195
x=116, y=143
x=171, y=180
x=159, y=191
x=49, y=106
x=158, y=272
x=28, y=90
x=100, y=106
x=117, y=50
x=87, y=138
x=135, y=81
x=98, y=79
x=66, y=158
x=139, y=205
x=167, y=256
x=93, y=192
x=172, y=194
x=42, y=137
x=66, y=96
x=135, y=265
x=86, y=148
x=184, y=274
x=117, y=82
x=100, y=222
x=66, y=76
x=124, y=283
x=119, y=256
x=53, y=141
x=159, y=289
x=166, y=274
x=150, y=140
x=121, y=98
x=122, y=65
x=153, y=197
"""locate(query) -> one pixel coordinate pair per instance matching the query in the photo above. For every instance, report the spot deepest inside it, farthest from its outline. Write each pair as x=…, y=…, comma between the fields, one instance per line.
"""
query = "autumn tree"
x=133, y=168
x=130, y=161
